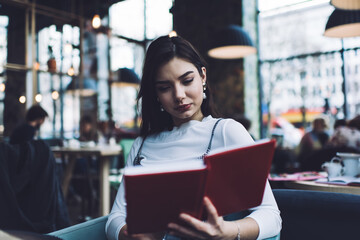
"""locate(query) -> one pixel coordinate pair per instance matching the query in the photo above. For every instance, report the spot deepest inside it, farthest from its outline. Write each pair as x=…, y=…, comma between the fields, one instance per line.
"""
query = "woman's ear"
x=203, y=70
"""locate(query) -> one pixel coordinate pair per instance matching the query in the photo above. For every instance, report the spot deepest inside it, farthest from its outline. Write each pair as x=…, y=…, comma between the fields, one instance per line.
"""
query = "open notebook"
x=233, y=179
x=341, y=180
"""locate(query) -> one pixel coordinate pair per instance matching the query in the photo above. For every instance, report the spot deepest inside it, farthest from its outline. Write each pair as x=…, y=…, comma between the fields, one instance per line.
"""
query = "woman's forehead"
x=175, y=68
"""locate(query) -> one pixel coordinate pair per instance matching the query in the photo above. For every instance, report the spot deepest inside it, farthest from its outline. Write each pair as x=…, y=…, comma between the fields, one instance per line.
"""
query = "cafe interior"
x=287, y=70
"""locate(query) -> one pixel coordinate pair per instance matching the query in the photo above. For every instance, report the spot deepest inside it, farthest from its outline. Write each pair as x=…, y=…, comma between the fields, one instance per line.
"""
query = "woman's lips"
x=183, y=108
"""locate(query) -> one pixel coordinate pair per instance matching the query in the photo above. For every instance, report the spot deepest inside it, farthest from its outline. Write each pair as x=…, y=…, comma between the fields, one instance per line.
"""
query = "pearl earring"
x=204, y=89
x=161, y=107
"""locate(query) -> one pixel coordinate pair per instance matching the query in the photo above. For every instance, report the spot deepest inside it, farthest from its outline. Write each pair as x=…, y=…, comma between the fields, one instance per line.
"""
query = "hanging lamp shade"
x=89, y=86
x=343, y=23
x=127, y=77
x=232, y=42
x=346, y=4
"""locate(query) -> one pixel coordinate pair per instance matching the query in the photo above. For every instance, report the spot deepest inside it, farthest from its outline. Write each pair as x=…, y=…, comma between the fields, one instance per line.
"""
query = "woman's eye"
x=163, y=89
x=188, y=81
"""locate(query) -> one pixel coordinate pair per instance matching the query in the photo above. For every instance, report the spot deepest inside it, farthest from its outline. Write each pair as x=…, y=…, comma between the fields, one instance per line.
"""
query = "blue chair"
x=318, y=215
x=126, y=145
x=94, y=230
x=90, y=230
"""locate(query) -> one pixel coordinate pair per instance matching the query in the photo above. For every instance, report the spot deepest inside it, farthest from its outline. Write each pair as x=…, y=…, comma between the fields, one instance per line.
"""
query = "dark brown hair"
x=355, y=122
x=36, y=112
x=160, y=52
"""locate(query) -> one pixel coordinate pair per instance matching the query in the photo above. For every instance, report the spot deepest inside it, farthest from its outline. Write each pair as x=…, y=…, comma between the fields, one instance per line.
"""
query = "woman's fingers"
x=198, y=229
x=211, y=210
x=182, y=231
x=191, y=220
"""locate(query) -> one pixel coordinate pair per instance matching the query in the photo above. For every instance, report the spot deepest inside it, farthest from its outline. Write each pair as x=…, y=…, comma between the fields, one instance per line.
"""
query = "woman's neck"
x=179, y=122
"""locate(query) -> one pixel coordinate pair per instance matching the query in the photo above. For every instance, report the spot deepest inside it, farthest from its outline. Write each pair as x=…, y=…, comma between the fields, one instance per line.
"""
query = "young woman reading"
x=177, y=125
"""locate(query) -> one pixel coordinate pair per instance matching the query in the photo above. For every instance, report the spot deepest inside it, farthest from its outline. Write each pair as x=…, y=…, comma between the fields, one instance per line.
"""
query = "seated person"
x=35, y=117
x=347, y=136
x=88, y=131
x=314, y=140
x=31, y=196
x=339, y=123
x=177, y=125
x=345, y=139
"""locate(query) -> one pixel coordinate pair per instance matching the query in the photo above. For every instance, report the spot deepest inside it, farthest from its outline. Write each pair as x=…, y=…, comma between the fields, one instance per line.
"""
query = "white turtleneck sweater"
x=189, y=142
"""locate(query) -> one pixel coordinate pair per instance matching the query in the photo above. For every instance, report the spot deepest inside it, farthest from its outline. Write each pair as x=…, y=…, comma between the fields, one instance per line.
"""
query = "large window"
x=134, y=24
x=301, y=70
x=38, y=36
x=62, y=44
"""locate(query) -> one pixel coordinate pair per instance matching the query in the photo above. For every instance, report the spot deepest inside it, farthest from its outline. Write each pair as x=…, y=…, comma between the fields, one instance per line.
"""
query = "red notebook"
x=233, y=179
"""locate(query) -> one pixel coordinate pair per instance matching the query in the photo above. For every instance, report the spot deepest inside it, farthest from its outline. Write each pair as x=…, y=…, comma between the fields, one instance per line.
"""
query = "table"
x=104, y=154
x=311, y=185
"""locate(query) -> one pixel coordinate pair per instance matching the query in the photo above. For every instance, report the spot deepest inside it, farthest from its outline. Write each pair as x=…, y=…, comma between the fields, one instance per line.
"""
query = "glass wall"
x=39, y=56
x=62, y=44
x=134, y=24
x=120, y=42
x=301, y=70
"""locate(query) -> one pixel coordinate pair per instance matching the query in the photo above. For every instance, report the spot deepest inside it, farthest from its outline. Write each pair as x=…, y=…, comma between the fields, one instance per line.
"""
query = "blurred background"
x=82, y=62
x=69, y=56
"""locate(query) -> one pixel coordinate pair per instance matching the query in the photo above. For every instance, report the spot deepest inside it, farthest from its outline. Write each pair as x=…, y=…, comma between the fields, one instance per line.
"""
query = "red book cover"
x=233, y=179
x=237, y=177
x=155, y=199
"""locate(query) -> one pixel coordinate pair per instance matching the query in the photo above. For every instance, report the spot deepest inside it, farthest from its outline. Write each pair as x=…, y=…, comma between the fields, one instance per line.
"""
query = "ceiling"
x=57, y=12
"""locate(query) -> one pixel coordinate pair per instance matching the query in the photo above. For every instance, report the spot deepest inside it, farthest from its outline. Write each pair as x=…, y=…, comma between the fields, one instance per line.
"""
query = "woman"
x=314, y=140
x=348, y=136
x=177, y=126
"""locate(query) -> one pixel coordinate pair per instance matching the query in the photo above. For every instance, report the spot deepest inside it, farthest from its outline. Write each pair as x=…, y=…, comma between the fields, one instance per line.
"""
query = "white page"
x=169, y=167
x=219, y=150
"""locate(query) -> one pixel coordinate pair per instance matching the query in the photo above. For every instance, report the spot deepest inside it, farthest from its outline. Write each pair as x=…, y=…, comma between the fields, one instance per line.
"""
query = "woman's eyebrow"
x=185, y=74
x=181, y=77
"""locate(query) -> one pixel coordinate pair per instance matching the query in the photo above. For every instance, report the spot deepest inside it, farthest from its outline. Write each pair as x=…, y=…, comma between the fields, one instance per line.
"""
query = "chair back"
x=318, y=215
x=126, y=145
x=90, y=230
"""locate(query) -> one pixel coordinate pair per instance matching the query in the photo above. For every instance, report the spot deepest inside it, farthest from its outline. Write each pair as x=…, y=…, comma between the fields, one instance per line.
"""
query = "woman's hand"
x=214, y=228
x=124, y=235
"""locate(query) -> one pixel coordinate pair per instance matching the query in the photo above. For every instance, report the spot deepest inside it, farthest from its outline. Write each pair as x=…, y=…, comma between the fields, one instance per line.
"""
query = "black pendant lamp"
x=231, y=42
x=127, y=77
x=87, y=87
x=343, y=23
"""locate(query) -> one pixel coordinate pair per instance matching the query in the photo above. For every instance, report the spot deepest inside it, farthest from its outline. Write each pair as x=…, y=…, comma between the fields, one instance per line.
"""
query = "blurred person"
x=83, y=187
x=87, y=130
x=344, y=139
x=347, y=136
x=35, y=117
x=35, y=202
x=105, y=131
x=30, y=189
x=284, y=159
x=339, y=123
x=246, y=122
x=314, y=140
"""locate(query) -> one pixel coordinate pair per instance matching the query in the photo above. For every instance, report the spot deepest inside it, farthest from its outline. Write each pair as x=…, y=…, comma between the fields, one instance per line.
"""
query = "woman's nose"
x=179, y=93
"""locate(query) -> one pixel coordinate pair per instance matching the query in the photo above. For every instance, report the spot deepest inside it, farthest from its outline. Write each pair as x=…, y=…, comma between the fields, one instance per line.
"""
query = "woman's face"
x=179, y=88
